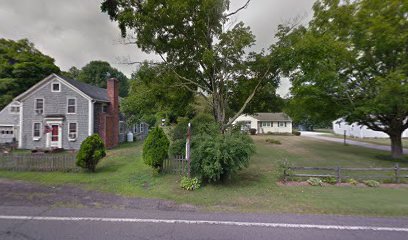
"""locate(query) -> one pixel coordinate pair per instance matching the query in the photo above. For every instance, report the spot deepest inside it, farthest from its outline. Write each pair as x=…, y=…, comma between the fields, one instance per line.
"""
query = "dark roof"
x=97, y=93
x=272, y=117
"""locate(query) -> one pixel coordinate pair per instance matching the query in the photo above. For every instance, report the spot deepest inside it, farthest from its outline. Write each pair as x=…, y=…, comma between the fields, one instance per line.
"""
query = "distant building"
x=359, y=131
x=266, y=122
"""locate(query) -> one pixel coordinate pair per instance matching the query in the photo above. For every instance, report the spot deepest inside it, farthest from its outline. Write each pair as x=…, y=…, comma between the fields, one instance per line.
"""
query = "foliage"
x=315, y=181
x=272, y=141
x=330, y=180
x=92, y=150
x=190, y=184
x=296, y=133
x=371, y=183
x=218, y=157
x=97, y=72
x=21, y=66
x=154, y=96
x=200, y=124
x=155, y=148
x=352, y=181
x=350, y=61
x=195, y=43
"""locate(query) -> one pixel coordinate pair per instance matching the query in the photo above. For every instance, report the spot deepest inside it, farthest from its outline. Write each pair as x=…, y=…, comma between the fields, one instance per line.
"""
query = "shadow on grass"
x=389, y=158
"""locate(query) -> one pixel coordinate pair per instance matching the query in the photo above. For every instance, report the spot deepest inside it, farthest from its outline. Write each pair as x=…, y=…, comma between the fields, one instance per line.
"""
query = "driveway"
x=325, y=137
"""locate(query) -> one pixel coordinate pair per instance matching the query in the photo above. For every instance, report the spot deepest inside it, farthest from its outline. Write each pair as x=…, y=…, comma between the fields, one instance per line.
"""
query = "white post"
x=188, y=142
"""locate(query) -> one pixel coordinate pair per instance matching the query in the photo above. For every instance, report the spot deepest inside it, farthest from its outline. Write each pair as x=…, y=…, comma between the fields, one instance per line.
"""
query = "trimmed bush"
x=252, y=131
x=155, y=148
x=92, y=150
x=215, y=158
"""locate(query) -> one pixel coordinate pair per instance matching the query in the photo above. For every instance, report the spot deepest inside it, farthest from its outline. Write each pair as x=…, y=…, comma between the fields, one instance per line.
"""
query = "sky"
x=75, y=32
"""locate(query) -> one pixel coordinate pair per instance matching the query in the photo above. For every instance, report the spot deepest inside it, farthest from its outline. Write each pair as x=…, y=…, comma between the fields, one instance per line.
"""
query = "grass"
x=378, y=141
x=254, y=189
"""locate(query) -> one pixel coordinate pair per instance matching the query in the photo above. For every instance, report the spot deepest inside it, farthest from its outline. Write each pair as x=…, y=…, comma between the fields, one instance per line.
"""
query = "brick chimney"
x=113, y=110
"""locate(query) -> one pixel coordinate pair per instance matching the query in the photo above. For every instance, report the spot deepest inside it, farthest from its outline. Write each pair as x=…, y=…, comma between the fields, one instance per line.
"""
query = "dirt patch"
x=20, y=193
x=304, y=183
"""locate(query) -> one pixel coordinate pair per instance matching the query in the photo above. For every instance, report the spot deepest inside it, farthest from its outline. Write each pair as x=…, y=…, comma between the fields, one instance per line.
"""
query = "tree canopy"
x=97, y=72
x=21, y=66
x=200, y=45
x=351, y=61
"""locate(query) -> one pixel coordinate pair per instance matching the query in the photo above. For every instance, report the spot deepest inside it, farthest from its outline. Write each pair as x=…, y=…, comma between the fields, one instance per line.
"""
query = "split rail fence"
x=395, y=173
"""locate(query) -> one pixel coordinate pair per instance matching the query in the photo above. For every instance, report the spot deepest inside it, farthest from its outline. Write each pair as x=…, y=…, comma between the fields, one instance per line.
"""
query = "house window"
x=282, y=124
x=121, y=127
x=141, y=127
x=71, y=105
x=266, y=124
x=55, y=87
x=104, y=108
x=36, y=131
x=39, y=106
x=72, y=131
x=14, y=109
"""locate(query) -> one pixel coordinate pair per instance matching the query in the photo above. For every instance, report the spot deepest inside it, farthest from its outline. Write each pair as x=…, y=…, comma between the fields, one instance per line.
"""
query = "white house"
x=9, y=123
x=266, y=122
x=359, y=131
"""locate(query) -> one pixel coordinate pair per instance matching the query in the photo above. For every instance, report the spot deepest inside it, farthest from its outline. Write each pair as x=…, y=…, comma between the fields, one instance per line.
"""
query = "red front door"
x=54, y=133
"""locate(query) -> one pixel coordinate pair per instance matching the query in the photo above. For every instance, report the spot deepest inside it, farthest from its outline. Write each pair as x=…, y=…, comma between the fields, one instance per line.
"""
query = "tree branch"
x=247, y=100
x=239, y=9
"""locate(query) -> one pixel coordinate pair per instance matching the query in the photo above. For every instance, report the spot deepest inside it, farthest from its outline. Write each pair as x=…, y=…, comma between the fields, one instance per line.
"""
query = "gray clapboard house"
x=59, y=112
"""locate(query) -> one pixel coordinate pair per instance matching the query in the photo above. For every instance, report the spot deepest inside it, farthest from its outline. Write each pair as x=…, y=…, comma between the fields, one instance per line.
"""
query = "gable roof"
x=96, y=93
x=89, y=91
x=280, y=116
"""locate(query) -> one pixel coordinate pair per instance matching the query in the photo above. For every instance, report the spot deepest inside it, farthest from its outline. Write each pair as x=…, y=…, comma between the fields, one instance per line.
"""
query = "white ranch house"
x=266, y=122
x=359, y=131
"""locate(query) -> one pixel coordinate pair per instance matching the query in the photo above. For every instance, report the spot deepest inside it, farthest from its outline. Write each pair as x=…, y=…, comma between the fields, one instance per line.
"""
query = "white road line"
x=227, y=223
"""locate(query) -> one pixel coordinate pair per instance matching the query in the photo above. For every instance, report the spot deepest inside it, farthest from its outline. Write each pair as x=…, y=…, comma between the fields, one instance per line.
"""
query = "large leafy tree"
x=199, y=44
x=21, y=66
x=352, y=61
x=153, y=95
x=96, y=73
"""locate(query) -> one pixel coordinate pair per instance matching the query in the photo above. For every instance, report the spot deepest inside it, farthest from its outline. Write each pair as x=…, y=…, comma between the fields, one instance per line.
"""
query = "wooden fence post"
x=338, y=174
x=396, y=170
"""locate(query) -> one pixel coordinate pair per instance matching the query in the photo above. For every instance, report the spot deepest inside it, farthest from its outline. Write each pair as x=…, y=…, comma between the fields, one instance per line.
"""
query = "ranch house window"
x=39, y=105
x=72, y=131
x=266, y=124
x=282, y=124
x=71, y=105
x=36, y=131
x=55, y=87
x=141, y=127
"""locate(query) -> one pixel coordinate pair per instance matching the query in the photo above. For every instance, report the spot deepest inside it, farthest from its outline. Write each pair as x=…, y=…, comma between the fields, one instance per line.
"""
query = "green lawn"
x=378, y=141
x=253, y=189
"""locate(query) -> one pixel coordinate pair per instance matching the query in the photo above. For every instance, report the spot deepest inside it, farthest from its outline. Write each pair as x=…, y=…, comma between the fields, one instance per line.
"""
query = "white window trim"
x=52, y=86
x=36, y=138
x=141, y=126
x=69, y=98
x=76, y=129
x=35, y=105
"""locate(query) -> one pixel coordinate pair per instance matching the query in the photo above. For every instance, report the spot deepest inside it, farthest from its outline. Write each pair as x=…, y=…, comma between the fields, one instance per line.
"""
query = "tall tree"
x=195, y=43
x=96, y=73
x=352, y=61
x=153, y=96
x=21, y=66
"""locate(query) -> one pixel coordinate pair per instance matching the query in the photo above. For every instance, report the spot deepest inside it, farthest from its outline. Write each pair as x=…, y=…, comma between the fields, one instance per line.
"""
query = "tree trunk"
x=396, y=144
x=219, y=110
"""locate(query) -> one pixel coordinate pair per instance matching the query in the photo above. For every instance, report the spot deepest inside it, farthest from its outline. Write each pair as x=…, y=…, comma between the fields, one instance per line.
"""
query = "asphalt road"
x=90, y=223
